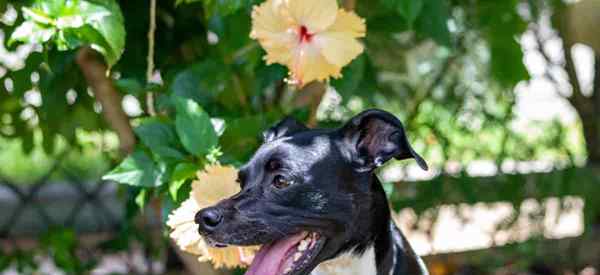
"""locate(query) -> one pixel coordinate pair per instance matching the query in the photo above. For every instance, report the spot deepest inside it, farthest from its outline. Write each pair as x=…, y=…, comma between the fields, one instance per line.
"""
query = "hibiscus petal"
x=315, y=15
x=273, y=28
x=214, y=184
x=184, y=214
x=309, y=64
x=349, y=23
x=226, y=257
x=338, y=48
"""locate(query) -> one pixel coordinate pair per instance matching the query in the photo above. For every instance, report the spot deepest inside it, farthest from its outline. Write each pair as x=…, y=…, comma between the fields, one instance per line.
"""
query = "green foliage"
x=160, y=138
x=72, y=24
x=20, y=167
x=194, y=127
x=223, y=79
x=61, y=245
x=433, y=21
x=182, y=173
x=409, y=10
x=138, y=170
x=446, y=68
x=170, y=151
x=506, y=55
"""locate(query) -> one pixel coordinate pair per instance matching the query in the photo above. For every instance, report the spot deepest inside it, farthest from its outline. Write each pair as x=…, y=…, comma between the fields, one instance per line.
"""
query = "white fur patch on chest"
x=349, y=264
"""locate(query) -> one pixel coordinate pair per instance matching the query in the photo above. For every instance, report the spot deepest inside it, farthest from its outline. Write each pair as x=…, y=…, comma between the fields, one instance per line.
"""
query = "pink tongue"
x=270, y=257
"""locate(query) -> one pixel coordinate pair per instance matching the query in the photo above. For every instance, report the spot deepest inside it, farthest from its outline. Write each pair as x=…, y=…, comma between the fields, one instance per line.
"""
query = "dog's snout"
x=209, y=219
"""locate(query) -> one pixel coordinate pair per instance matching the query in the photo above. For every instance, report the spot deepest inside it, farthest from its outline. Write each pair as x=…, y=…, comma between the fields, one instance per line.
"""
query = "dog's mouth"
x=289, y=256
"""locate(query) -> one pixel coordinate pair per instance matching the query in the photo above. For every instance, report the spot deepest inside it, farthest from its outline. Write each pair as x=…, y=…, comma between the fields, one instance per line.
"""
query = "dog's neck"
x=382, y=250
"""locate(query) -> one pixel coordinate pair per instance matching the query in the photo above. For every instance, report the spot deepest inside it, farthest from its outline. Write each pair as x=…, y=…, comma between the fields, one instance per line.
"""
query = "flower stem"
x=349, y=5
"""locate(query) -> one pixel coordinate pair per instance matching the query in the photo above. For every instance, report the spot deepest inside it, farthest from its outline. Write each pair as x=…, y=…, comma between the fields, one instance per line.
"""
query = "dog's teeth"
x=287, y=270
x=303, y=245
x=297, y=256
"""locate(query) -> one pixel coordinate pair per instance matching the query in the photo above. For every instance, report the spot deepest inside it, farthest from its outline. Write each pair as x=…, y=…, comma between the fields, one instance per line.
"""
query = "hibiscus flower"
x=214, y=184
x=315, y=39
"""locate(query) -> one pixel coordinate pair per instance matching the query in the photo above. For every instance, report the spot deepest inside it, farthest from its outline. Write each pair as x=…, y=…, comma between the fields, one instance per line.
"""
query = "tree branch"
x=578, y=97
x=578, y=100
x=550, y=63
x=311, y=96
x=94, y=71
x=349, y=4
x=150, y=58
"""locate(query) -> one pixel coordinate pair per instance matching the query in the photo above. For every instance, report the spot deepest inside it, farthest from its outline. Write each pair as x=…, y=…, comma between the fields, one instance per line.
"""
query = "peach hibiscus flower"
x=214, y=184
x=315, y=39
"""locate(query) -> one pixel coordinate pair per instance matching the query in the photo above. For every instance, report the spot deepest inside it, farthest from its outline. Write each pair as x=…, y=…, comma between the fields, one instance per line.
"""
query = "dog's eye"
x=281, y=182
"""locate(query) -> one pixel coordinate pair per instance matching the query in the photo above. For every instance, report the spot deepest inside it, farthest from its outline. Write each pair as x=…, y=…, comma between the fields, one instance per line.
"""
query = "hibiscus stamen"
x=305, y=36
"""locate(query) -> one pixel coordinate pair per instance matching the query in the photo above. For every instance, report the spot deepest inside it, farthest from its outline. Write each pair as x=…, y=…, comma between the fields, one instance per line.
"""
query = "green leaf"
x=184, y=171
x=201, y=82
x=181, y=175
x=267, y=75
x=98, y=23
x=105, y=16
x=3, y=6
x=137, y=170
x=37, y=16
x=353, y=76
x=129, y=86
x=389, y=4
x=74, y=21
x=218, y=7
x=174, y=188
x=141, y=198
x=179, y=2
x=32, y=33
x=506, y=54
x=433, y=21
x=410, y=9
x=194, y=128
x=243, y=134
x=28, y=142
x=506, y=62
x=386, y=24
x=159, y=137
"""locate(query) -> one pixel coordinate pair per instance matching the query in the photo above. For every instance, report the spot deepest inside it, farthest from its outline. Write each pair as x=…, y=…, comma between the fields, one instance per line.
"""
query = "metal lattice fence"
x=32, y=215
x=86, y=207
x=69, y=202
x=83, y=206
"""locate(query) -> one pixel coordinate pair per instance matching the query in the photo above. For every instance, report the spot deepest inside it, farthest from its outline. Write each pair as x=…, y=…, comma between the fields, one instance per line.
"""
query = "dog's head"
x=308, y=195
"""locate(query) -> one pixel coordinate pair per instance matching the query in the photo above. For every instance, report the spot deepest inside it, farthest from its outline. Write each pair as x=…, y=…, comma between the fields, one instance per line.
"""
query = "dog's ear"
x=376, y=136
x=287, y=127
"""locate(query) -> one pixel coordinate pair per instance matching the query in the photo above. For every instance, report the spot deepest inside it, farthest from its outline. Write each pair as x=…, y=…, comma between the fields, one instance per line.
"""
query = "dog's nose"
x=209, y=219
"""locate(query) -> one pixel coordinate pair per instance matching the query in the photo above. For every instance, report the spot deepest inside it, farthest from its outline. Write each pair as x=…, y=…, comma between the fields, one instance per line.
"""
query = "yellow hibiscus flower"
x=214, y=184
x=315, y=39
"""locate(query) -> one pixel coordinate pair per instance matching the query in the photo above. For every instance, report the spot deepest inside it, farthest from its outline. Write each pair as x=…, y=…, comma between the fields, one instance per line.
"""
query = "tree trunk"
x=592, y=127
x=590, y=119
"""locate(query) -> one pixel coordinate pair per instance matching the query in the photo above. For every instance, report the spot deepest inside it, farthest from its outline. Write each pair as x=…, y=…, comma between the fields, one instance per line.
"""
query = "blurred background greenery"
x=502, y=98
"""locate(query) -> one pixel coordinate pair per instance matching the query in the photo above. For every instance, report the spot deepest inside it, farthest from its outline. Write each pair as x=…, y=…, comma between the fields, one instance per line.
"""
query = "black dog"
x=311, y=195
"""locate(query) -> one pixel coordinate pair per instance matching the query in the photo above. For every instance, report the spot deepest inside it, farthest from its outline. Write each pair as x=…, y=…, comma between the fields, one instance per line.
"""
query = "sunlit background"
x=500, y=97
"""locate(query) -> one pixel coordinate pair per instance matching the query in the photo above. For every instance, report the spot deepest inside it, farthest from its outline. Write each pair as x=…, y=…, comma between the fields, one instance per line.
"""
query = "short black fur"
x=319, y=180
